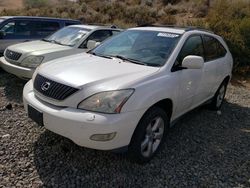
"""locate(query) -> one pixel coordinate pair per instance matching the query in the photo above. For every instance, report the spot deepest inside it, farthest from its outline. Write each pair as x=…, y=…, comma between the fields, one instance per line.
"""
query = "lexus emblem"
x=45, y=86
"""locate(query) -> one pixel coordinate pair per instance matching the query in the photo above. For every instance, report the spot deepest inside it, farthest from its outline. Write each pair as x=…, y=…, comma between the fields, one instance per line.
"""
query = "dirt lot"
x=204, y=149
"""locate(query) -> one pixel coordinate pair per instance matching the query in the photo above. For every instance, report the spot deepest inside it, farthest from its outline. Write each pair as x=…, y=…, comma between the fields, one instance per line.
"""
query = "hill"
x=13, y=4
x=228, y=18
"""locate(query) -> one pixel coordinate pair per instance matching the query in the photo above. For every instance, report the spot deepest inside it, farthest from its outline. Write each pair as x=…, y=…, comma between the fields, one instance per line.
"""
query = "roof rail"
x=186, y=28
x=159, y=25
x=104, y=25
x=192, y=28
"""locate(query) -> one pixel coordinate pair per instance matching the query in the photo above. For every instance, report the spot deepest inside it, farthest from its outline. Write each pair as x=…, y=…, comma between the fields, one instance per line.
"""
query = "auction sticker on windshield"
x=168, y=35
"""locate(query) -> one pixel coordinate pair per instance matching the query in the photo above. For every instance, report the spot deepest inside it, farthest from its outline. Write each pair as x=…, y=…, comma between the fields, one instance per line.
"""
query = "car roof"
x=171, y=29
x=92, y=27
x=35, y=17
x=161, y=29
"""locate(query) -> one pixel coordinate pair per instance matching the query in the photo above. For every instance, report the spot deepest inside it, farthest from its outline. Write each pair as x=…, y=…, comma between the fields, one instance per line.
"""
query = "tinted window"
x=97, y=36
x=24, y=28
x=71, y=23
x=8, y=28
x=115, y=32
x=193, y=46
x=21, y=28
x=45, y=28
x=213, y=48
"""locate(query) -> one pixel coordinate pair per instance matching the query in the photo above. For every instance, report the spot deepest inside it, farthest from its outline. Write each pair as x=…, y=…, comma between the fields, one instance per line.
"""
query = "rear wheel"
x=219, y=96
x=149, y=135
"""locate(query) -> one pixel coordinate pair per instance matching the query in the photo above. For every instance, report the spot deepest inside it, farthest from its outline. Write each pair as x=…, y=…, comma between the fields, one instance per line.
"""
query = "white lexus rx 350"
x=127, y=92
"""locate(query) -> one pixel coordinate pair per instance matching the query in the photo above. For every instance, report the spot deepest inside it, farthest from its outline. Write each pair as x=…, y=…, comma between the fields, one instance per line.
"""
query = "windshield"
x=1, y=20
x=67, y=36
x=151, y=48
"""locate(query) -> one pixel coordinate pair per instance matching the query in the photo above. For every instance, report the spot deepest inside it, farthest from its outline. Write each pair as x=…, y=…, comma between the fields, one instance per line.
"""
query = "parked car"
x=16, y=29
x=128, y=91
x=22, y=59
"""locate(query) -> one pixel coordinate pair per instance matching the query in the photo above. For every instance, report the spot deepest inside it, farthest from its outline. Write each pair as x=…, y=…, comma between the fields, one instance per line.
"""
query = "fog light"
x=103, y=137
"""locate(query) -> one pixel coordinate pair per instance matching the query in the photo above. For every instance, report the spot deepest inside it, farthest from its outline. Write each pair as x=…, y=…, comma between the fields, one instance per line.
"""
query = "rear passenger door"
x=214, y=52
x=45, y=28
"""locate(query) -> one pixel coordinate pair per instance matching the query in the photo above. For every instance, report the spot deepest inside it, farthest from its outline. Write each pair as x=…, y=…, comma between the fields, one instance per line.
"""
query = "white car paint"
x=186, y=89
x=49, y=51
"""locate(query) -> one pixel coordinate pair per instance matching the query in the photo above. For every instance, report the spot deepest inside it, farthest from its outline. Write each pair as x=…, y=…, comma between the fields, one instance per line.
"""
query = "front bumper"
x=79, y=125
x=22, y=72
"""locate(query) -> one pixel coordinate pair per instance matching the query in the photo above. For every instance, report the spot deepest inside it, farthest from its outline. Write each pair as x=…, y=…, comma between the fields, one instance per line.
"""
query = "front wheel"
x=149, y=135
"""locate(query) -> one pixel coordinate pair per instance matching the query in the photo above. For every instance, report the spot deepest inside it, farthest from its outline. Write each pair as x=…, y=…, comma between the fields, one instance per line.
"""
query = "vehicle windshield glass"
x=151, y=48
x=1, y=20
x=67, y=36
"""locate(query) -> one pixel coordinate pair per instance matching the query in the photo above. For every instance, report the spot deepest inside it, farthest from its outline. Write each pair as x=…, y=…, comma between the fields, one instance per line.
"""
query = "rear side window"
x=193, y=46
x=213, y=48
x=45, y=28
x=71, y=23
x=115, y=32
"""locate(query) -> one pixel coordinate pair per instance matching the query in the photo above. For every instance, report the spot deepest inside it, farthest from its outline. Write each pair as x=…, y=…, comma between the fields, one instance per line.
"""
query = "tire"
x=219, y=96
x=149, y=135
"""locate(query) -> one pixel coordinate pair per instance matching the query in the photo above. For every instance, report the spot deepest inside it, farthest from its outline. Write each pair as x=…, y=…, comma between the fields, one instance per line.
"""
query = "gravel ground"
x=204, y=149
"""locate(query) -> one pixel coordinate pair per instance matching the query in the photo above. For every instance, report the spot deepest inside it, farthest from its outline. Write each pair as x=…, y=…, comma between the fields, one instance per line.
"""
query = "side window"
x=115, y=32
x=97, y=36
x=8, y=28
x=213, y=48
x=71, y=23
x=23, y=28
x=193, y=46
x=221, y=50
x=45, y=28
x=18, y=29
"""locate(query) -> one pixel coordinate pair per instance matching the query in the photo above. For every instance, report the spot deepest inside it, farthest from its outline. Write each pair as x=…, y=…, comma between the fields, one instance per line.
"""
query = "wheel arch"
x=227, y=79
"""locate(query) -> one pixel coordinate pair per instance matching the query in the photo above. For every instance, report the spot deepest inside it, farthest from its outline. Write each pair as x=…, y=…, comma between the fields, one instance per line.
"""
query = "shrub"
x=232, y=21
x=35, y=3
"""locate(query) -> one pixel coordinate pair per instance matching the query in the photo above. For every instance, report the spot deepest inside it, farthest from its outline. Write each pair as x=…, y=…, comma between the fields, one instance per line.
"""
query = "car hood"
x=38, y=47
x=85, y=69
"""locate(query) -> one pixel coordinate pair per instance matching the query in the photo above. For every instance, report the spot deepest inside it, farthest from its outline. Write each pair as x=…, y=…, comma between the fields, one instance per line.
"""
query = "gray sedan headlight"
x=32, y=61
x=106, y=102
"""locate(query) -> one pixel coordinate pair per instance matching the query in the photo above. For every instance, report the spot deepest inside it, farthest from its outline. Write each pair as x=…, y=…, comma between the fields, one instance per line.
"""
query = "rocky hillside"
x=13, y=4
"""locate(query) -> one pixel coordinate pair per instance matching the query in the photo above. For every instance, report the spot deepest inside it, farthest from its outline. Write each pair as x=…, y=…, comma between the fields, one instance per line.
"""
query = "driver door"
x=189, y=79
x=16, y=31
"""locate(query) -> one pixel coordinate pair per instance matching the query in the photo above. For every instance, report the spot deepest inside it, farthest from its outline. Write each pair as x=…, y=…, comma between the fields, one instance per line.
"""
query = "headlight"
x=107, y=102
x=32, y=61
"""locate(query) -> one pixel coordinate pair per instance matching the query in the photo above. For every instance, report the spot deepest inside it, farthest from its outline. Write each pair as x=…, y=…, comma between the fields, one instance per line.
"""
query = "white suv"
x=22, y=59
x=128, y=91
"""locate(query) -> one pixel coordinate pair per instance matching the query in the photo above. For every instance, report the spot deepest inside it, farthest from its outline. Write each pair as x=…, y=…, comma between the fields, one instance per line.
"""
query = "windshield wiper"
x=130, y=60
x=46, y=40
x=100, y=55
x=54, y=41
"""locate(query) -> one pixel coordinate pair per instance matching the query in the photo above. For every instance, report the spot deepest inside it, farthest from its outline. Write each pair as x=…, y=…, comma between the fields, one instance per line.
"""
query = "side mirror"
x=92, y=44
x=2, y=34
x=193, y=62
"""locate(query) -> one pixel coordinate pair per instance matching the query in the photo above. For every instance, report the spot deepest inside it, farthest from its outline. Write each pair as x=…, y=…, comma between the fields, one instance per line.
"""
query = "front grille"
x=12, y=55
x=52, y=89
